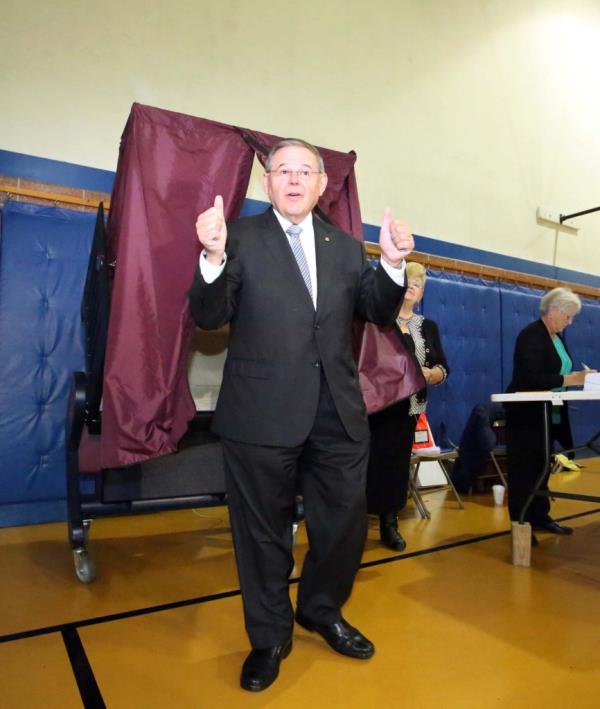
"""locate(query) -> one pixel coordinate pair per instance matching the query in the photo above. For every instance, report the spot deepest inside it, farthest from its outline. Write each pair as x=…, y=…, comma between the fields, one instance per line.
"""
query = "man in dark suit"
x=290, y=412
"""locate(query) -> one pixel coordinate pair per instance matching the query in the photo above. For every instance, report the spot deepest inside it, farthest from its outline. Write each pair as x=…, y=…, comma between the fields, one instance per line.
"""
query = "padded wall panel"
x=467, y=311
x=519, y=306
x=43, y=261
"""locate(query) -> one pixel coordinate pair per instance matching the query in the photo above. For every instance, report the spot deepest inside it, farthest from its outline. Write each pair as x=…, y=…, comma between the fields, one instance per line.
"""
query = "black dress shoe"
x=388, y=530
x=341, y=636
x=261, y=667
x=554, y=527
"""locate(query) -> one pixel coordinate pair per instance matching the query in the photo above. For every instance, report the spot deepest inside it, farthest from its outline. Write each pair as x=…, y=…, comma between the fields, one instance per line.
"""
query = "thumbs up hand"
x=395, y=240
x=212, y=231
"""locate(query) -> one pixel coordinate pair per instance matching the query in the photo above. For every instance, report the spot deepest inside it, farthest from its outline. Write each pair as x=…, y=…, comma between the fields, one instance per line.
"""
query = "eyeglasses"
x=415, y=284
x=302, y=174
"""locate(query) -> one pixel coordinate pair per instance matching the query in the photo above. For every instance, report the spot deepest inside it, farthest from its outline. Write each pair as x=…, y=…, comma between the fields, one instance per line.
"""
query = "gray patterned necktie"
x=294, y=232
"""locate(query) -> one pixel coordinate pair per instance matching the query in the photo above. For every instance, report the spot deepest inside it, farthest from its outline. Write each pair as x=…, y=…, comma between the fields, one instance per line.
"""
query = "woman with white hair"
x=541, y=362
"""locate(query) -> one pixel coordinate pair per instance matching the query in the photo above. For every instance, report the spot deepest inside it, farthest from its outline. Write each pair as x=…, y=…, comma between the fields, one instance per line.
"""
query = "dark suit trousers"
x=329, y=470
x=392, y=435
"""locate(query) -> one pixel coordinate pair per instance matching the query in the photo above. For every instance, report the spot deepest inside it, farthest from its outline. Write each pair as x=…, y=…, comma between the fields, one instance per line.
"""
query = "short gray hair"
x=294, y=141
x=559, y=298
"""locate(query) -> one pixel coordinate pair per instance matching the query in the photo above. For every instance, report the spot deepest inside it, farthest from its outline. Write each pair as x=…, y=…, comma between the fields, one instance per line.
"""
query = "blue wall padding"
x=467, y=311
x=43, y=262
x=519, y=306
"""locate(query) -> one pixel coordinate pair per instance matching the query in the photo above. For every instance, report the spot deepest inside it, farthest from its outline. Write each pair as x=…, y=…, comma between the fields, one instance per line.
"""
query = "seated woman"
x=541, y=362
x=393, y=428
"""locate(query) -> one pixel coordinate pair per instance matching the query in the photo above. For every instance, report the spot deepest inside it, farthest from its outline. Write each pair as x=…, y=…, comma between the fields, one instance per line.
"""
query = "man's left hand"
x=395, y=240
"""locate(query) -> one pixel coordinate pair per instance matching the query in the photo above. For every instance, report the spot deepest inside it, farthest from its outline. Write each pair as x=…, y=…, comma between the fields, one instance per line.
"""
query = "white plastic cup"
x=498, y=491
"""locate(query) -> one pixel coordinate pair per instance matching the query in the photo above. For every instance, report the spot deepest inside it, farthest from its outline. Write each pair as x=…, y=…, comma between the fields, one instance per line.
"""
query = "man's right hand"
x=212, y=232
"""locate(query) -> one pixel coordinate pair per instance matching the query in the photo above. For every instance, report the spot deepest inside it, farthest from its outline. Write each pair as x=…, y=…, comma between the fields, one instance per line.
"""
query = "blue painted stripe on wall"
x=90, y=178
x=436, y=247
x=55, y=172
x=252, y=207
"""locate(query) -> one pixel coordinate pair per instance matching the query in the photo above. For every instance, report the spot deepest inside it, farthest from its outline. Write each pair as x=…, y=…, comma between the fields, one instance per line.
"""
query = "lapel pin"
x=327, y=238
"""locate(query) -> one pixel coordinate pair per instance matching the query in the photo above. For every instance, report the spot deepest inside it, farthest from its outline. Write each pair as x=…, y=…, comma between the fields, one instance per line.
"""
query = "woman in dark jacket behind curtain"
x=541, y=362
x=393, y=428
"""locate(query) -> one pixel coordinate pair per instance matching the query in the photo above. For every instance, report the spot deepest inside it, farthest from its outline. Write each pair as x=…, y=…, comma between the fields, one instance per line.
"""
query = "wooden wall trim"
x=440, y=263
x=85, y=200
x=42, y=193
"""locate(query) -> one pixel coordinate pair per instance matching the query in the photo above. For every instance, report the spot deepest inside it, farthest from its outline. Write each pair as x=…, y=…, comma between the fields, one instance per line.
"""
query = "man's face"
x=293, y=194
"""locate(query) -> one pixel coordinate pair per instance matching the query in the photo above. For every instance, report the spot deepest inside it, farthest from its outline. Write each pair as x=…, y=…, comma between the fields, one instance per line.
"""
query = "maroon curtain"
x=170, y=168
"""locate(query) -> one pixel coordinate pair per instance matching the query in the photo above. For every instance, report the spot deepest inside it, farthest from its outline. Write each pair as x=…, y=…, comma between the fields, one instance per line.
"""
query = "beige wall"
x=466, y=115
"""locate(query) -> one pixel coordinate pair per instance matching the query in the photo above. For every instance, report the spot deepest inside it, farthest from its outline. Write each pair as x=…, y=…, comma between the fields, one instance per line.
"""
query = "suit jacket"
x=278, y=342
x=536, y=367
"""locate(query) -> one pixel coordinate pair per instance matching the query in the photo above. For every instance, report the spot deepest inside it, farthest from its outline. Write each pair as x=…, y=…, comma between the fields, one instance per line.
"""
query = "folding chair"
x=498, y=452
x=414, y=488
x=497, y=456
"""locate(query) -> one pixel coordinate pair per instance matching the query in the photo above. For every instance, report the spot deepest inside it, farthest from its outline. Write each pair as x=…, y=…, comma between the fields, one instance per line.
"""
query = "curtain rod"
x=578, y=214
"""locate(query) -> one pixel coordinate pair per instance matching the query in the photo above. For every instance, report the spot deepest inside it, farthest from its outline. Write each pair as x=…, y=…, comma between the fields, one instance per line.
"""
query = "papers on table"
x=592, y=382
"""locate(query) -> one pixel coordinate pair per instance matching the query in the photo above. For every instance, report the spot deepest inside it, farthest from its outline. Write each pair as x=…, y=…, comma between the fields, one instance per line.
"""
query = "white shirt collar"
x=306, y=223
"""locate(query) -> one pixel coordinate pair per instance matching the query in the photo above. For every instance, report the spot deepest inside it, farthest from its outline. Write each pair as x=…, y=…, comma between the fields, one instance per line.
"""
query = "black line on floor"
x=431, y=550
x=119, y=616
x=577, y=514
x=461, y=543
x=86, y=682
x=230, y=594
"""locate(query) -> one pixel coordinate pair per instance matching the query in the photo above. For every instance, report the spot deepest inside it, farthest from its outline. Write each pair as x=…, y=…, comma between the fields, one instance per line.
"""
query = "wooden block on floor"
x=521, y=544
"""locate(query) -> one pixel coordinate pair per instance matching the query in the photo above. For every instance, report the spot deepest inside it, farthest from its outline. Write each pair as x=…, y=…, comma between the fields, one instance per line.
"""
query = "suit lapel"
x=325, y=251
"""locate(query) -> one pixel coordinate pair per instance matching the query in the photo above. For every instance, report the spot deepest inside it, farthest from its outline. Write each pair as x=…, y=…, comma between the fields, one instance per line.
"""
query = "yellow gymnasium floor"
x=455, y=624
